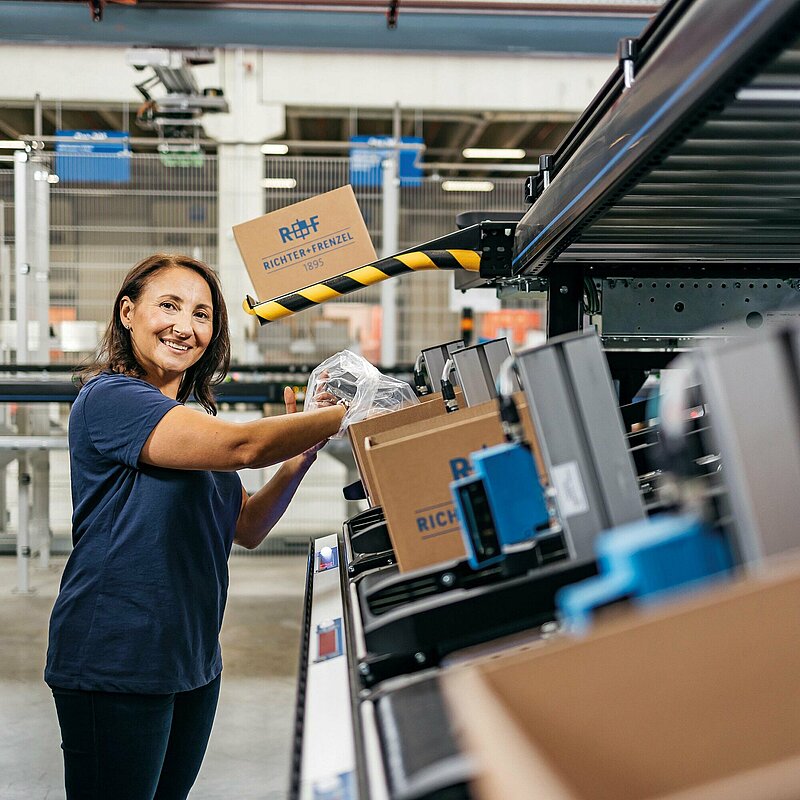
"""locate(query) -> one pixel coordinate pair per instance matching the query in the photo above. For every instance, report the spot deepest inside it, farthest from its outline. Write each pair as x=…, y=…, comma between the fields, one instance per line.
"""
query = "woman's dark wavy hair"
x=115, y=353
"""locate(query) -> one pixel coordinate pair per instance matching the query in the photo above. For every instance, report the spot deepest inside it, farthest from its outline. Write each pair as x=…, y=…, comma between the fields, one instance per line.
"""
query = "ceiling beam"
x=16, y=122
x=516, y=136
x=9, y=131
x=485, y=7
x=110, y=118
x=478, y=130
x=292, y=126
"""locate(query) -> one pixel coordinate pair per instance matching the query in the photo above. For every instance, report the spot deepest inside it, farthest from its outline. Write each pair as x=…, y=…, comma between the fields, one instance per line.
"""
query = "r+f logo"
x=300, y=229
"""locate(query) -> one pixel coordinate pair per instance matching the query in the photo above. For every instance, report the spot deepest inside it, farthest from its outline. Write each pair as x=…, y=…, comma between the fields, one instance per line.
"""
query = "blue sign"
x=365, y=162
x=93, y=156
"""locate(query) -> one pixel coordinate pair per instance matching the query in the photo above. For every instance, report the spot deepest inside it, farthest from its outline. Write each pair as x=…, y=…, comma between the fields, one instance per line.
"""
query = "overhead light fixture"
x=279, y=183
x=53, y=178
x=496, y=152
x=274, y=149
x=11, y=144
x=467, y=186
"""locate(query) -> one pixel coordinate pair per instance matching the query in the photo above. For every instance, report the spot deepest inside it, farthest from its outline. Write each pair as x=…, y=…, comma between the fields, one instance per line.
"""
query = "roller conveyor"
x=698, y=159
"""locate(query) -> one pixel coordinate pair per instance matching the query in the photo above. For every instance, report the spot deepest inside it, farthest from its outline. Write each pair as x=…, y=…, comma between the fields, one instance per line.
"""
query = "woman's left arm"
x=261, y=512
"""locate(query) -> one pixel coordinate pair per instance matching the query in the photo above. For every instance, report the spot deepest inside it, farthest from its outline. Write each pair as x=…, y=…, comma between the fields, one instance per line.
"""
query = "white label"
x=570, y=493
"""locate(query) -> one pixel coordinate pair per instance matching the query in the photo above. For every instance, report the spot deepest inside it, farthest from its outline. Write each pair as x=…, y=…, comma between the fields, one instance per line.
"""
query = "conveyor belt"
x=698, y=160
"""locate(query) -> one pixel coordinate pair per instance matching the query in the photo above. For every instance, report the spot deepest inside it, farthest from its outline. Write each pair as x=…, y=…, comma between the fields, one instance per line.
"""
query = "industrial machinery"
x=669, y=208
x=431, y=363
x=478, y=368
x=670, y=211
x=176, y=111
x=403, y=627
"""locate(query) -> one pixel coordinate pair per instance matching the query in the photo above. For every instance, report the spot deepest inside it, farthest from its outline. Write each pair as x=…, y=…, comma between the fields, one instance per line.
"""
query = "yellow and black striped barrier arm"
x=352, y=281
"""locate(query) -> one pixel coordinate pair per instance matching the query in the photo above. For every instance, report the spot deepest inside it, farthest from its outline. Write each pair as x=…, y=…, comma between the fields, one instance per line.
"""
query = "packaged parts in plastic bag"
x=363, y=388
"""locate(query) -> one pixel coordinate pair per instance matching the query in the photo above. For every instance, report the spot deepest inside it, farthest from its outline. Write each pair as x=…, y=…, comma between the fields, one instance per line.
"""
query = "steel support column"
x=390, y=245
x=564, y=300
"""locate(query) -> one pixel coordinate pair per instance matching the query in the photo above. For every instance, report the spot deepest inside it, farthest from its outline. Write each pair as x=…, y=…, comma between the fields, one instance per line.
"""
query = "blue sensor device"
x=646, y=562
x=500, y=503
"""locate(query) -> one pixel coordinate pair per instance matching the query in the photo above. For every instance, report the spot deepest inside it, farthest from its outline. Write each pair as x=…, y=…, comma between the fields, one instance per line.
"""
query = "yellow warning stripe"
x=416, y=260
x=318, y=293
x=272, y=310
x=367, y=275
x=469, y=259
x=269, y=311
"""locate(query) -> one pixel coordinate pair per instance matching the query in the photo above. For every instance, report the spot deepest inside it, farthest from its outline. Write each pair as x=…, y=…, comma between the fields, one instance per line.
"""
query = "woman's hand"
x=322, y=397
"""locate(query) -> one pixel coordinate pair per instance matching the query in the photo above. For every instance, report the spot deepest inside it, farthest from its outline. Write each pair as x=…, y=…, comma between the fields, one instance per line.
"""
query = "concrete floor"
x=249, y=753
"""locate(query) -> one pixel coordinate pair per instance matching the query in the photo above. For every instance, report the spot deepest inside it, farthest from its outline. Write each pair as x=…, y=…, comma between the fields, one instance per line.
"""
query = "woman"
x=134, y=660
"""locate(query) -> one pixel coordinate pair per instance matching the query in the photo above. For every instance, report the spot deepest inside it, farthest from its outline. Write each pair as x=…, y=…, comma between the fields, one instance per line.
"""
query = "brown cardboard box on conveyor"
x=698, y=700
x=431, y=406
x=410, y=469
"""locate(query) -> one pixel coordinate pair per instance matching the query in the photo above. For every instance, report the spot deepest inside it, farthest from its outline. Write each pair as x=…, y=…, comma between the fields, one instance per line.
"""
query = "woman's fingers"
x=325, y=399
x=289, y=399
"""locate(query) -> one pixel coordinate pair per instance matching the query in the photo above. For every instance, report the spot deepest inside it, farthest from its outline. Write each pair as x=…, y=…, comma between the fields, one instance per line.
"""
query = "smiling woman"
x=170, y=326
x=134, y=659
x=168, y=302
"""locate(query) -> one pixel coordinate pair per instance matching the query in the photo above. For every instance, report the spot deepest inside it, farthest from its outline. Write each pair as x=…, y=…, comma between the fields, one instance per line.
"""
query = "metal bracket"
x=628, y=53
x=679, y=307
x=496, y=247
x=545, y=169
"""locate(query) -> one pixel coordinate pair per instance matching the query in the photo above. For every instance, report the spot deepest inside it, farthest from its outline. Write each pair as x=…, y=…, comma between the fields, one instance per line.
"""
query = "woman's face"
x=170, y=324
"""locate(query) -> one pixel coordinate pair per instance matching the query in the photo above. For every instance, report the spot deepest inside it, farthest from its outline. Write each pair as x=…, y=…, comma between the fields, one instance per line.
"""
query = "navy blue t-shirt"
x=144, y=590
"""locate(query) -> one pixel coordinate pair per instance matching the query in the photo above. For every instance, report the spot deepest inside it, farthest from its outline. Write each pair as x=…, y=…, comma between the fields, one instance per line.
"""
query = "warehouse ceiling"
x=316, y=130
x=590, y=27
x=438, y=26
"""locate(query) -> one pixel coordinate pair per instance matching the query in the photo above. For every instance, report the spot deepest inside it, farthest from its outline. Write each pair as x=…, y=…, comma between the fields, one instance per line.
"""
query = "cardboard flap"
x=695, y=700
x=469, y=696
x=358, y=432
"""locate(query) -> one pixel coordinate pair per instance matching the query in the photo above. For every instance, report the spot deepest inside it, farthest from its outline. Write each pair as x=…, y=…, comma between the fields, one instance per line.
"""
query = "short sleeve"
x=120, y=413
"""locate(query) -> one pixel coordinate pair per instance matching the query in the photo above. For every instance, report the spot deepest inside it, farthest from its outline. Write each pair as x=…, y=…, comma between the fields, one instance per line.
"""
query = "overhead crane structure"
x=674, y=195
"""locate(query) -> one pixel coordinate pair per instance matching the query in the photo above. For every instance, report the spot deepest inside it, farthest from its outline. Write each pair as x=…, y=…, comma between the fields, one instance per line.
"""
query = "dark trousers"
x=134, y=746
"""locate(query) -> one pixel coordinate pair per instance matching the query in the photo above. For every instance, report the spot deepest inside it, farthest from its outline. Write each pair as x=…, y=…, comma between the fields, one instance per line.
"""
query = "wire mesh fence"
x=102, y=222
x=108, y=212
x=426, y=310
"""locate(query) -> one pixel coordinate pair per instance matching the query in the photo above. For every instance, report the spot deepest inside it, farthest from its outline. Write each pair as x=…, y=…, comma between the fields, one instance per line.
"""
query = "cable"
x=448, y=390
x=509, y=414
x=420, y=382
x=591, y=297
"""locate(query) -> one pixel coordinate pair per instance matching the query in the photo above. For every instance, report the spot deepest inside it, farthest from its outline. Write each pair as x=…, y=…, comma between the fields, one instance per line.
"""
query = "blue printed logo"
x=300, y=229
x=460, y=468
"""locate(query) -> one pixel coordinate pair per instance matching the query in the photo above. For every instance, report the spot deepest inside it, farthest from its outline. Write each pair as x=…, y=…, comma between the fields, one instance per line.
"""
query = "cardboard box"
x=358, y=432
x=383, y=423
x=305, y=243
x=694, y=701
x=419, y=473
x=413, y=475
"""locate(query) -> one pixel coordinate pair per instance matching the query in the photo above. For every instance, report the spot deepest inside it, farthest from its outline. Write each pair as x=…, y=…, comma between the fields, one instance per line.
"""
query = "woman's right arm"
x=190, y=439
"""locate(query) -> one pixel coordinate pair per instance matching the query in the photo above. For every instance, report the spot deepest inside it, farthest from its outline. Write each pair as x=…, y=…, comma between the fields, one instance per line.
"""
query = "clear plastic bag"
x=365, y=389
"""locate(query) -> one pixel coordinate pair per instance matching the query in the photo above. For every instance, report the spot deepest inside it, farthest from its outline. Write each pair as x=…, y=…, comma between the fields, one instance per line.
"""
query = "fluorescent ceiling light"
x=467, y=186
x=274, y=149
x=279, y=183
x=11, y=144
x=497, y=152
